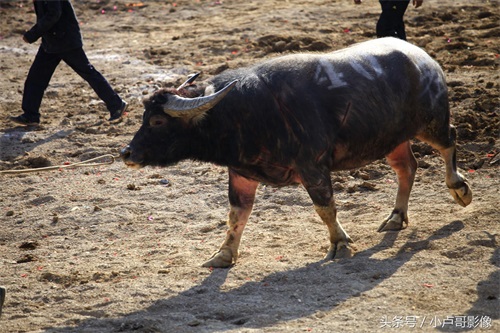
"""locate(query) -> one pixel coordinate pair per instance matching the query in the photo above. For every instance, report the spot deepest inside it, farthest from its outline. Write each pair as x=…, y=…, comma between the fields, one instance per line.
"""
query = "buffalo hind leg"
x=241, y=199
x=321, y=194
x=455, y=181
x=457, y=184
x=403, y=162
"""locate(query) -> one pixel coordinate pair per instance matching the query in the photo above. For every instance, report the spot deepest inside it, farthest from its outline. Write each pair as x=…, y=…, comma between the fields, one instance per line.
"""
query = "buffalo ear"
x=194, y=108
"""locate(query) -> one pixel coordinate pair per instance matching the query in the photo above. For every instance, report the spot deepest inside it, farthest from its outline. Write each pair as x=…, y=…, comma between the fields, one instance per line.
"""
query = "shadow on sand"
x=248, y=307
x=487, y=306
x=19, y=136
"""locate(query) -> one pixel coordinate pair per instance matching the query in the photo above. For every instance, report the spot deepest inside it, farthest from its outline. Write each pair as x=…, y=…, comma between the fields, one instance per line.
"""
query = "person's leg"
x=2, y=298
x=78, y=61
x=384, y=28
x=36, y=82
x=390, y=23
x=399, y=12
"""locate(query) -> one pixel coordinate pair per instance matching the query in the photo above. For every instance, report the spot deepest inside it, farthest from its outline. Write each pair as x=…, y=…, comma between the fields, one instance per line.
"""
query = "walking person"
x=57, y=25
x=2, y=298
x=390, y=22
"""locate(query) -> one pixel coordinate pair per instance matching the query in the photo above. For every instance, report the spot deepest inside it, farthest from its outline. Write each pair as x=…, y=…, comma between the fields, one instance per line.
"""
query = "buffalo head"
x=169, y=123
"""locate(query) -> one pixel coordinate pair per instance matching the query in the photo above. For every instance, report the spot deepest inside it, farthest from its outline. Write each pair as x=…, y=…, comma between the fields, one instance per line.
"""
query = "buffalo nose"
x=125, y=153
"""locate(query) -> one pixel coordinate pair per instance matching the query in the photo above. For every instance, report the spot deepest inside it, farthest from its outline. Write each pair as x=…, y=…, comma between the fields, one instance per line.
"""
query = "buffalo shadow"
x=248, y=307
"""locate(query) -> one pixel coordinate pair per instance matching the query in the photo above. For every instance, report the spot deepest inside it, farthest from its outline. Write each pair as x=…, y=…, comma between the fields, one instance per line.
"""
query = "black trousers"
x=41, y=72
x=390, y=23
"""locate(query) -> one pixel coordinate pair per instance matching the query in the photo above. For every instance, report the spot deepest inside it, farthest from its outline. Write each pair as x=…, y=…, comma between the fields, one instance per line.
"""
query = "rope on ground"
x=86, y=163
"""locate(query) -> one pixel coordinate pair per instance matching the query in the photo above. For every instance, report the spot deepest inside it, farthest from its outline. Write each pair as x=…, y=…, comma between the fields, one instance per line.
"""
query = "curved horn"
x=193, y=107
x=190, y=80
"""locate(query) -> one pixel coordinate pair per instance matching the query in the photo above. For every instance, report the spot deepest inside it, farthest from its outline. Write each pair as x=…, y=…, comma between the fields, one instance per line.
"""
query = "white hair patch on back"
x=432, y=85
x=358, y=67
x=375, y=65
x=325, y=72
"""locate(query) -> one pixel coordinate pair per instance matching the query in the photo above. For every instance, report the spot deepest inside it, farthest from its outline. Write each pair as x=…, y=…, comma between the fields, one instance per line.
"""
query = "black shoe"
x=118, y=113
x=22, y=120
x=2, y=298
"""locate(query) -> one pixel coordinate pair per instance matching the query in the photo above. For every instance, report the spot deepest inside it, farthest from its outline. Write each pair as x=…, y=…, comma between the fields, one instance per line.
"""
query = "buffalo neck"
x=214, y=139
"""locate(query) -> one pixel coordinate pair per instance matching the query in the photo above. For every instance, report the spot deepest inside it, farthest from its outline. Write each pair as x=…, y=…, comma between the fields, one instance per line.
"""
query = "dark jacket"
x=56, y=23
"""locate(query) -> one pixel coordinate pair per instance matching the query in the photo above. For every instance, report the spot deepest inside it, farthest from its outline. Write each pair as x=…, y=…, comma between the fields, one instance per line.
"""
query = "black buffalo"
x=296, y=118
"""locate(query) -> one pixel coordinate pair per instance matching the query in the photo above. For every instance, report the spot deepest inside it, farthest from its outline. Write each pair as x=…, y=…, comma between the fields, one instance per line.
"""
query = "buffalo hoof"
x=393, y=223
x=462, y=195
x=340, y=250
x=221, y=259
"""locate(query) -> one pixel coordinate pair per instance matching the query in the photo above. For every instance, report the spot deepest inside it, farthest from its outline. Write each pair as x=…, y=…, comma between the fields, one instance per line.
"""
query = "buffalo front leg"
x=340, y=242
x=403, y=162
x=241, y=198
x=321, y=193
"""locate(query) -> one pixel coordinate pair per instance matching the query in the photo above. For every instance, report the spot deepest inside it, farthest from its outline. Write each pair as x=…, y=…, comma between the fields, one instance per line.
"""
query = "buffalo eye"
x=157, y=121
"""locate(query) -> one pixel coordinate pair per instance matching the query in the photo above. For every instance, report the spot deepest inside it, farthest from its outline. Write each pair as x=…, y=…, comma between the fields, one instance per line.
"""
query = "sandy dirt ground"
x=108, y=249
